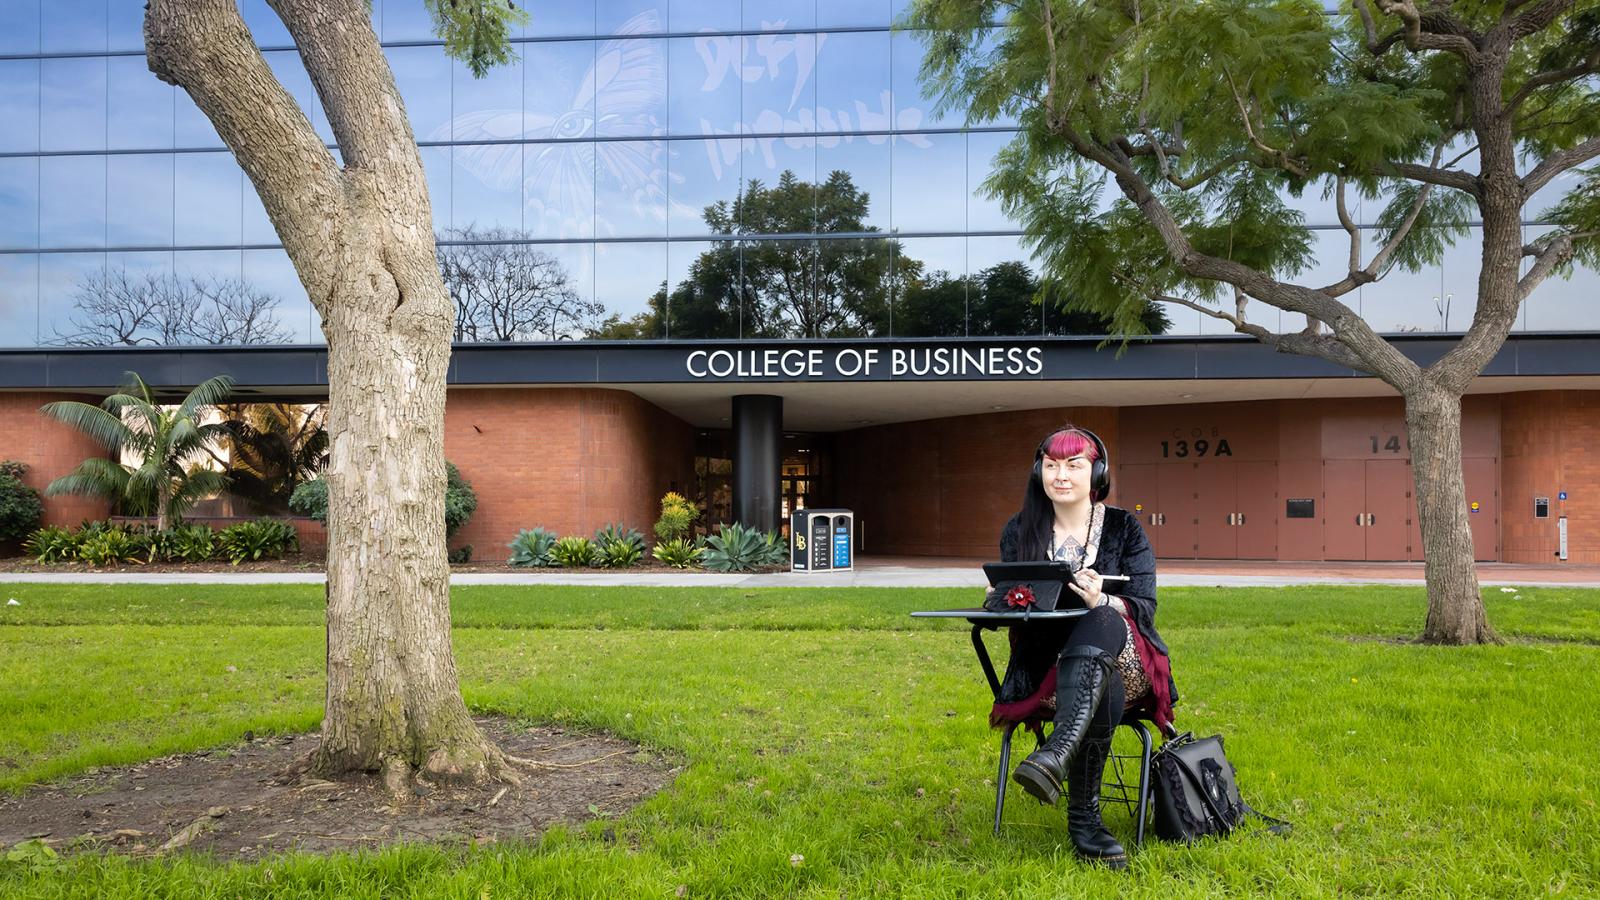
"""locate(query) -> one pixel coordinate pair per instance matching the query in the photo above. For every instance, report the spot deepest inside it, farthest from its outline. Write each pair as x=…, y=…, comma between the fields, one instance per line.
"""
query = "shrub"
x=677, y=516
x=251, y=541
x=531, y=548
x=310, y=499
x=462, y=554
x=191, y=543
x=618, y=546
x=679, y=553
x=739, y=549
x=572, y=551
x=20, y=506
x=112, y=545
x=52, y=544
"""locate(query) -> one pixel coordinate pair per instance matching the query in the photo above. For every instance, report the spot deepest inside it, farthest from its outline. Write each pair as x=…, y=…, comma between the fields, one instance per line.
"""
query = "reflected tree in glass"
x=508, y=290
x=117, y=307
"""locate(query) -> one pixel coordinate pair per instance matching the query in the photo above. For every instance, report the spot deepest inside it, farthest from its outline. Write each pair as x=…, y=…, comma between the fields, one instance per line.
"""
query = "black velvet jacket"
x=1123, y=550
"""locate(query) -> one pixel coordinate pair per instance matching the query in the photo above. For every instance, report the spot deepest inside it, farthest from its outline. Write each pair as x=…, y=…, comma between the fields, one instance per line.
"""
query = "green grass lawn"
x=825, y=723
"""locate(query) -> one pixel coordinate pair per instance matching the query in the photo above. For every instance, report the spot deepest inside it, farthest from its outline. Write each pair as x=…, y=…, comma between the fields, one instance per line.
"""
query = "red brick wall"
x=50, y=450
x=567, y=459
x=1552, y=444
x=945, y=487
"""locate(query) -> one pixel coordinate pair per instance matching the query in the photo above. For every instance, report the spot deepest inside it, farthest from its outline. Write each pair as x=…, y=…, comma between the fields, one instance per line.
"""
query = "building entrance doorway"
x=806, y=476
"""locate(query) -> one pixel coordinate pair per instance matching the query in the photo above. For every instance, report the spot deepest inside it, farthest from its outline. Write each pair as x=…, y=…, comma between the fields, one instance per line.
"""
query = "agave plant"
x=573, y=551
x=679, y=553
x=168, y=442
x=736, y=549
x=618, y=546
x=531, y=547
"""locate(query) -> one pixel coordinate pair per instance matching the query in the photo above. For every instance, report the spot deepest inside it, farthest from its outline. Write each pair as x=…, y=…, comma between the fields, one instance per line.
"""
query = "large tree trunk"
x=393, y=701
x=361, y=239
x=1455, y=603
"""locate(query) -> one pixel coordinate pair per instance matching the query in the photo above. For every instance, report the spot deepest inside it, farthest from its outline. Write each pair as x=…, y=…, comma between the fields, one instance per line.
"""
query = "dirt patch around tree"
x=237, y=803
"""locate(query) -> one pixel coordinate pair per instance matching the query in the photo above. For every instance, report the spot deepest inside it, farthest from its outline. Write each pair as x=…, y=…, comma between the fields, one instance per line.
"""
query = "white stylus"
x=1114, y=577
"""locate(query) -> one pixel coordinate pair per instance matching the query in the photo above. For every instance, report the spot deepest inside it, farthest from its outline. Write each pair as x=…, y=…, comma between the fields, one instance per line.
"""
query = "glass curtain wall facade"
x=668, y=169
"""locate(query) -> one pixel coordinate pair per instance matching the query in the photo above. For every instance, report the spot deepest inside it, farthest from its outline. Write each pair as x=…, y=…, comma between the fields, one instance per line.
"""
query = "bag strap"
x=1199, y=788
x=1276, y=826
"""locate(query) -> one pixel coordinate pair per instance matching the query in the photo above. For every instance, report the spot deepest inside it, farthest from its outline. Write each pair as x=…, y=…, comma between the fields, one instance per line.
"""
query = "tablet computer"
x=1038, y=570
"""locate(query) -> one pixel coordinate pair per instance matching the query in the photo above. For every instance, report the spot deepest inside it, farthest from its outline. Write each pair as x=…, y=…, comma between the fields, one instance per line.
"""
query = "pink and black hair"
x=1037, y=515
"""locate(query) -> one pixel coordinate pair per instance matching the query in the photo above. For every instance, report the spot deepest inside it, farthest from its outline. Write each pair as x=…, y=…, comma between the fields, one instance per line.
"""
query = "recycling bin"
x=822, y=540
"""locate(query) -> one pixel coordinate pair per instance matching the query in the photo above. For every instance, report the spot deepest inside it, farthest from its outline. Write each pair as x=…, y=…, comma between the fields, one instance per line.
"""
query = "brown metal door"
x=1176, y=510
x=1481, y=474
x=1135, y=491
x=1217, y=484
x=1344, y=533
x=1388, y=492
x=1257, y=524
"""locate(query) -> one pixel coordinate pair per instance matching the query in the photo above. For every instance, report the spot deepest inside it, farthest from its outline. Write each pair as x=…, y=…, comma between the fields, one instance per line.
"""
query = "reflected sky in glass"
x=603, y=128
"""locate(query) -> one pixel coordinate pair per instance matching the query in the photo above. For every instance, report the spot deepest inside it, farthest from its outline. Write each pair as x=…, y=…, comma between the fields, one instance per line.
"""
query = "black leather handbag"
x=1197, y=791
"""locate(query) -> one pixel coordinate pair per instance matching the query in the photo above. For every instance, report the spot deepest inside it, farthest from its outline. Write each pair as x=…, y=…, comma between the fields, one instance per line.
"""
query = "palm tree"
x=168, y=441
x=271, y=449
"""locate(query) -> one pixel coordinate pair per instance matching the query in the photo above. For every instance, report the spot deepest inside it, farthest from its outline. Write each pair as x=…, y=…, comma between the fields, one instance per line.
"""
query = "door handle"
x=1361, y=519
x=1372, y=519
x=1241, y=518
x=1231, y=517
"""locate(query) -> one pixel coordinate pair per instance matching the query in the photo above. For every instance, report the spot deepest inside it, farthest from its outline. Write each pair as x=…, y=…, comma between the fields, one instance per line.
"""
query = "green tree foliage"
x=840, y=288
x=1004, y=299
x=272, y=448
x=477, y=32
x=1160, y=139
x=169, y=444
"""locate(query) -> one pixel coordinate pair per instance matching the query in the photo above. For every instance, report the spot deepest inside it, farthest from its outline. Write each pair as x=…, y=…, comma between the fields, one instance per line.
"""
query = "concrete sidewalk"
x=897, y=572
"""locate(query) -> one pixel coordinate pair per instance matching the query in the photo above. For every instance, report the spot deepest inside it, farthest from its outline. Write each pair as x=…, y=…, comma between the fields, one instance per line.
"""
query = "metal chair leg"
x=1144, y=784
x=1000, y=780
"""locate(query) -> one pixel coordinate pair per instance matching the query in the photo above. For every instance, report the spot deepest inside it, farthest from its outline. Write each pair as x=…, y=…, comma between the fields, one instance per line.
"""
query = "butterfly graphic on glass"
x=621, y=93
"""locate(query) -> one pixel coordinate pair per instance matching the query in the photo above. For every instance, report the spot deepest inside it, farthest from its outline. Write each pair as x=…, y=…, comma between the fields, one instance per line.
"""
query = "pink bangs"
x=1067, y=444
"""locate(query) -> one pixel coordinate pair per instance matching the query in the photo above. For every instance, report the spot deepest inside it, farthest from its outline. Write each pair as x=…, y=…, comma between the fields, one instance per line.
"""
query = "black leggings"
x=1104, y=629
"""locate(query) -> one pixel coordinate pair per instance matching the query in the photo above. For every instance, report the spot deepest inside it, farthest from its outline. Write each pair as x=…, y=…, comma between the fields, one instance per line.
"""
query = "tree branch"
x=1547, y=78
x=1538, y=18
x=1550, y=252
x=1349, y=227
x=1375, y=45
x=1303, y=343
x=1369, y=351
x=1461, y=181
x=1280, y=156
x=1434, y=29
x=204, y=47
x=1559, y=162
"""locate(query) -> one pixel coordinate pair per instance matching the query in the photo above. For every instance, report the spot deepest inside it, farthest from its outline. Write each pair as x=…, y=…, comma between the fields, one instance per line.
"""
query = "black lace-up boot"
x=1088, y=831
x=1080, y=686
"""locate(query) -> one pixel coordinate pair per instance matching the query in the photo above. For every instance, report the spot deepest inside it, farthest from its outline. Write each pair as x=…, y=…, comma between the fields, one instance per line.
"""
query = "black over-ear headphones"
x=1099, y=473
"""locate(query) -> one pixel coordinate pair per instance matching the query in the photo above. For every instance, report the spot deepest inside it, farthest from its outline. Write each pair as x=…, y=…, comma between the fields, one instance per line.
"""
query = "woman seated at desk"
x=1107, y=661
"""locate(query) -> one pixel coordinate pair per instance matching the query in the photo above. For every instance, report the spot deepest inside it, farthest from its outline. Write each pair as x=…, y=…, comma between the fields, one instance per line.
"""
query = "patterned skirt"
x=1135, y=681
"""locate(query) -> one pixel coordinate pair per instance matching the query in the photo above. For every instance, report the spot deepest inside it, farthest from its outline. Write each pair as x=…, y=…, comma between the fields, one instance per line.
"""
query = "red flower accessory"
x=1020, y=597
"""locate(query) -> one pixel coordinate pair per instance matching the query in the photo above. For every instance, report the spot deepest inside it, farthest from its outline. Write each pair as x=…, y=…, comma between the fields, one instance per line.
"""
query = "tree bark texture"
x=361, y=239
x=1455, y=602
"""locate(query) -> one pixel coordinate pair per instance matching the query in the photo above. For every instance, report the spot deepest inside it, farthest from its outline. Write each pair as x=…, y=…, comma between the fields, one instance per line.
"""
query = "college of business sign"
x=868, y=363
